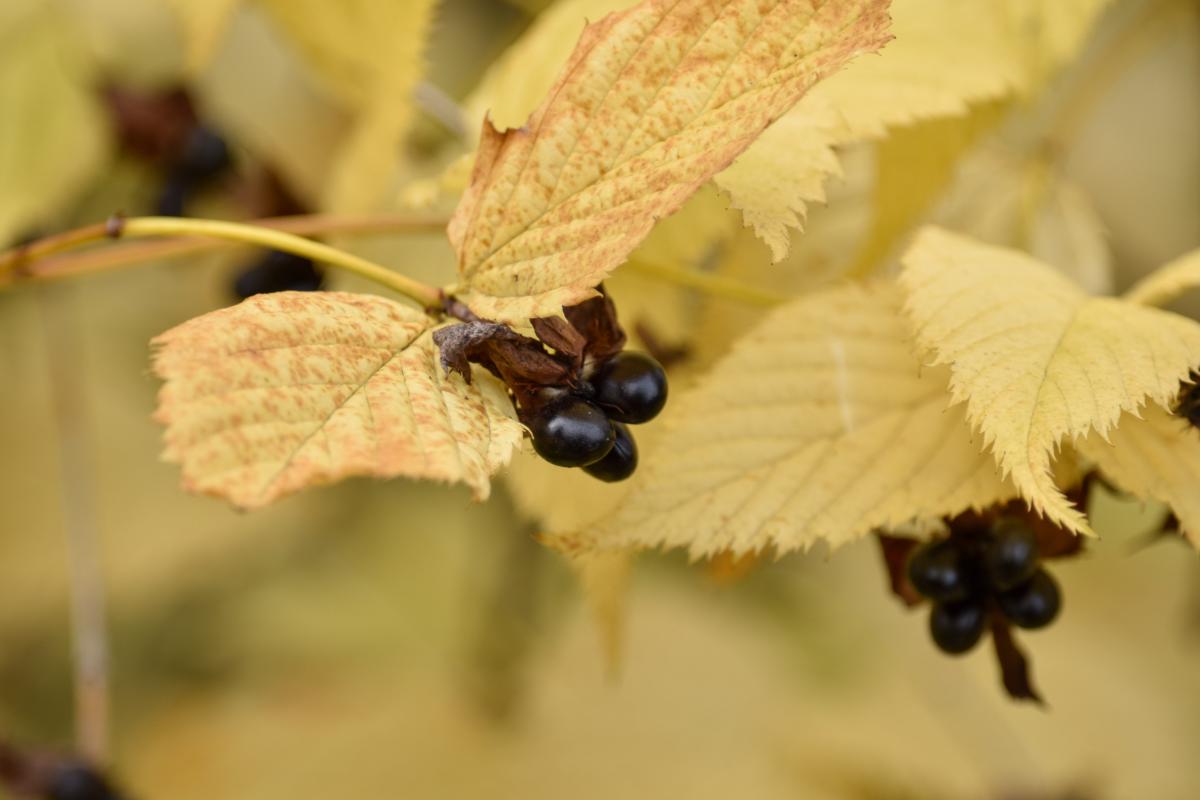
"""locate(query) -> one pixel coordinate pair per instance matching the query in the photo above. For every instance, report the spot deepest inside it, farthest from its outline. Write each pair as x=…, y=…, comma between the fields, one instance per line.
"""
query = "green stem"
x=709, y=284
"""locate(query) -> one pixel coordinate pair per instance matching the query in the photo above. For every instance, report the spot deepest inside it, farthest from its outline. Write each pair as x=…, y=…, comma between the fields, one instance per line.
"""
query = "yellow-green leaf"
x=291, y=390
x=1167, y=282
x=653, y=102
x=820, y=425
x=1155, y=456
x=53, y=133
x=1035, y=359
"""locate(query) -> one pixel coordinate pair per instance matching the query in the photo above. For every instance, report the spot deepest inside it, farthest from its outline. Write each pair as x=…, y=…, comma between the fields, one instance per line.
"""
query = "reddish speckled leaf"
x=653, y=102
x=294, y=389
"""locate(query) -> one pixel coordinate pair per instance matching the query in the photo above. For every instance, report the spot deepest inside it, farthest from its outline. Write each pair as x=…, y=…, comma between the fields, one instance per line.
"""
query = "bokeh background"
x=396, y=640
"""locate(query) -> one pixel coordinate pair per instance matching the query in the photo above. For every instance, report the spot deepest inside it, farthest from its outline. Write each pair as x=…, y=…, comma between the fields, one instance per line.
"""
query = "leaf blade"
x=1167, y=282
x=819, y=426
x=1034, y=358
x=653, y=102
x=291, y=390
x=1155, y=456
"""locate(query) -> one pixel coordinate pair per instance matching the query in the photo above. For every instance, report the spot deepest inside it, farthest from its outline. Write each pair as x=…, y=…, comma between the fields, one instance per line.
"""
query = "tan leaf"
x=820, y=425
x=291, y=390
x=1035, y=358
x=654, y=101
x=1167, y=282
x=53, y=133
x=1155, y=456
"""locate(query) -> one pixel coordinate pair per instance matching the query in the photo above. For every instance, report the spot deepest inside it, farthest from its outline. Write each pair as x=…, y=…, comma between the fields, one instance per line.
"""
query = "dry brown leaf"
x=292, y=390
x=653, y=102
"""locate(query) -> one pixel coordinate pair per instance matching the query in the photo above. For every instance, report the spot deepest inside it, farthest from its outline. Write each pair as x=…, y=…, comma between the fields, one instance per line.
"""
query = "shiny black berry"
x=620, y=462
x=572, y=433
x=1010, y=555
x=941, y=571
x=278, y=272
x=956, y=627
x=1034, y=603
x=631, y=387
x=79, y=782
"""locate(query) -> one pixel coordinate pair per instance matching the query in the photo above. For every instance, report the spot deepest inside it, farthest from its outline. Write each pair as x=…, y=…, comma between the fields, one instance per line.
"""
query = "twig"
x=37, y=261
x=709, y=284
x=89, y=632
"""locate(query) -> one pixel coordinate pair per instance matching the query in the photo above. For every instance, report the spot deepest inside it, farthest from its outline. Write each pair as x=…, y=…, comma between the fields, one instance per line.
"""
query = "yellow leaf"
x=819, y=425
x=1035, y=358
x=1012, y=199
x=365, y=165
x=291, y=390
x=604, y=578
x=360, y=48
x=653, y=102
x=1167, y=282
x=516, y=82
x=254, y=70
x=773, y=182
x=53, y=134
x=1155, y=456
x=915, y=164
x=204, y=23
x=370, y=53
x=947, y=55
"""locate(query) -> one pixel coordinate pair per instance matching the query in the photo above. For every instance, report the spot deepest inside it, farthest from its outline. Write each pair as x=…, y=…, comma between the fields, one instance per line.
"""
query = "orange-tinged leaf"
x=291, y=390
x=654, y=101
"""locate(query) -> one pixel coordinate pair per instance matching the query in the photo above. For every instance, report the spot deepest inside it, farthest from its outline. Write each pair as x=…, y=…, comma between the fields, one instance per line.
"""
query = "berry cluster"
x=587, y=426
x=967, y=577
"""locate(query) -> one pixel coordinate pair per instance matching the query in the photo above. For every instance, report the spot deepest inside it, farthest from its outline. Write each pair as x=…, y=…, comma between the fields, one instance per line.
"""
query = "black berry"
x=620, y=462
x=1034, y=603
x=572, y=433
x=1010, y=556
x=79, y=782
x=956, y=627
x=205, y=156
x=631, y=387
x=941, y=571
x=278, y=272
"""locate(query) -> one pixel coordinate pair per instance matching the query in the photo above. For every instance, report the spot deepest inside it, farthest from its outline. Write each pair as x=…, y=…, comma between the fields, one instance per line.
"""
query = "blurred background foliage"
x=392, y=639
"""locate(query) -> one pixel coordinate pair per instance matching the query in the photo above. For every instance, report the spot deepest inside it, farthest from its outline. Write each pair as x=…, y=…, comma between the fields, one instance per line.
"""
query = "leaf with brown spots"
x=297, y=389
x=653, y=102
